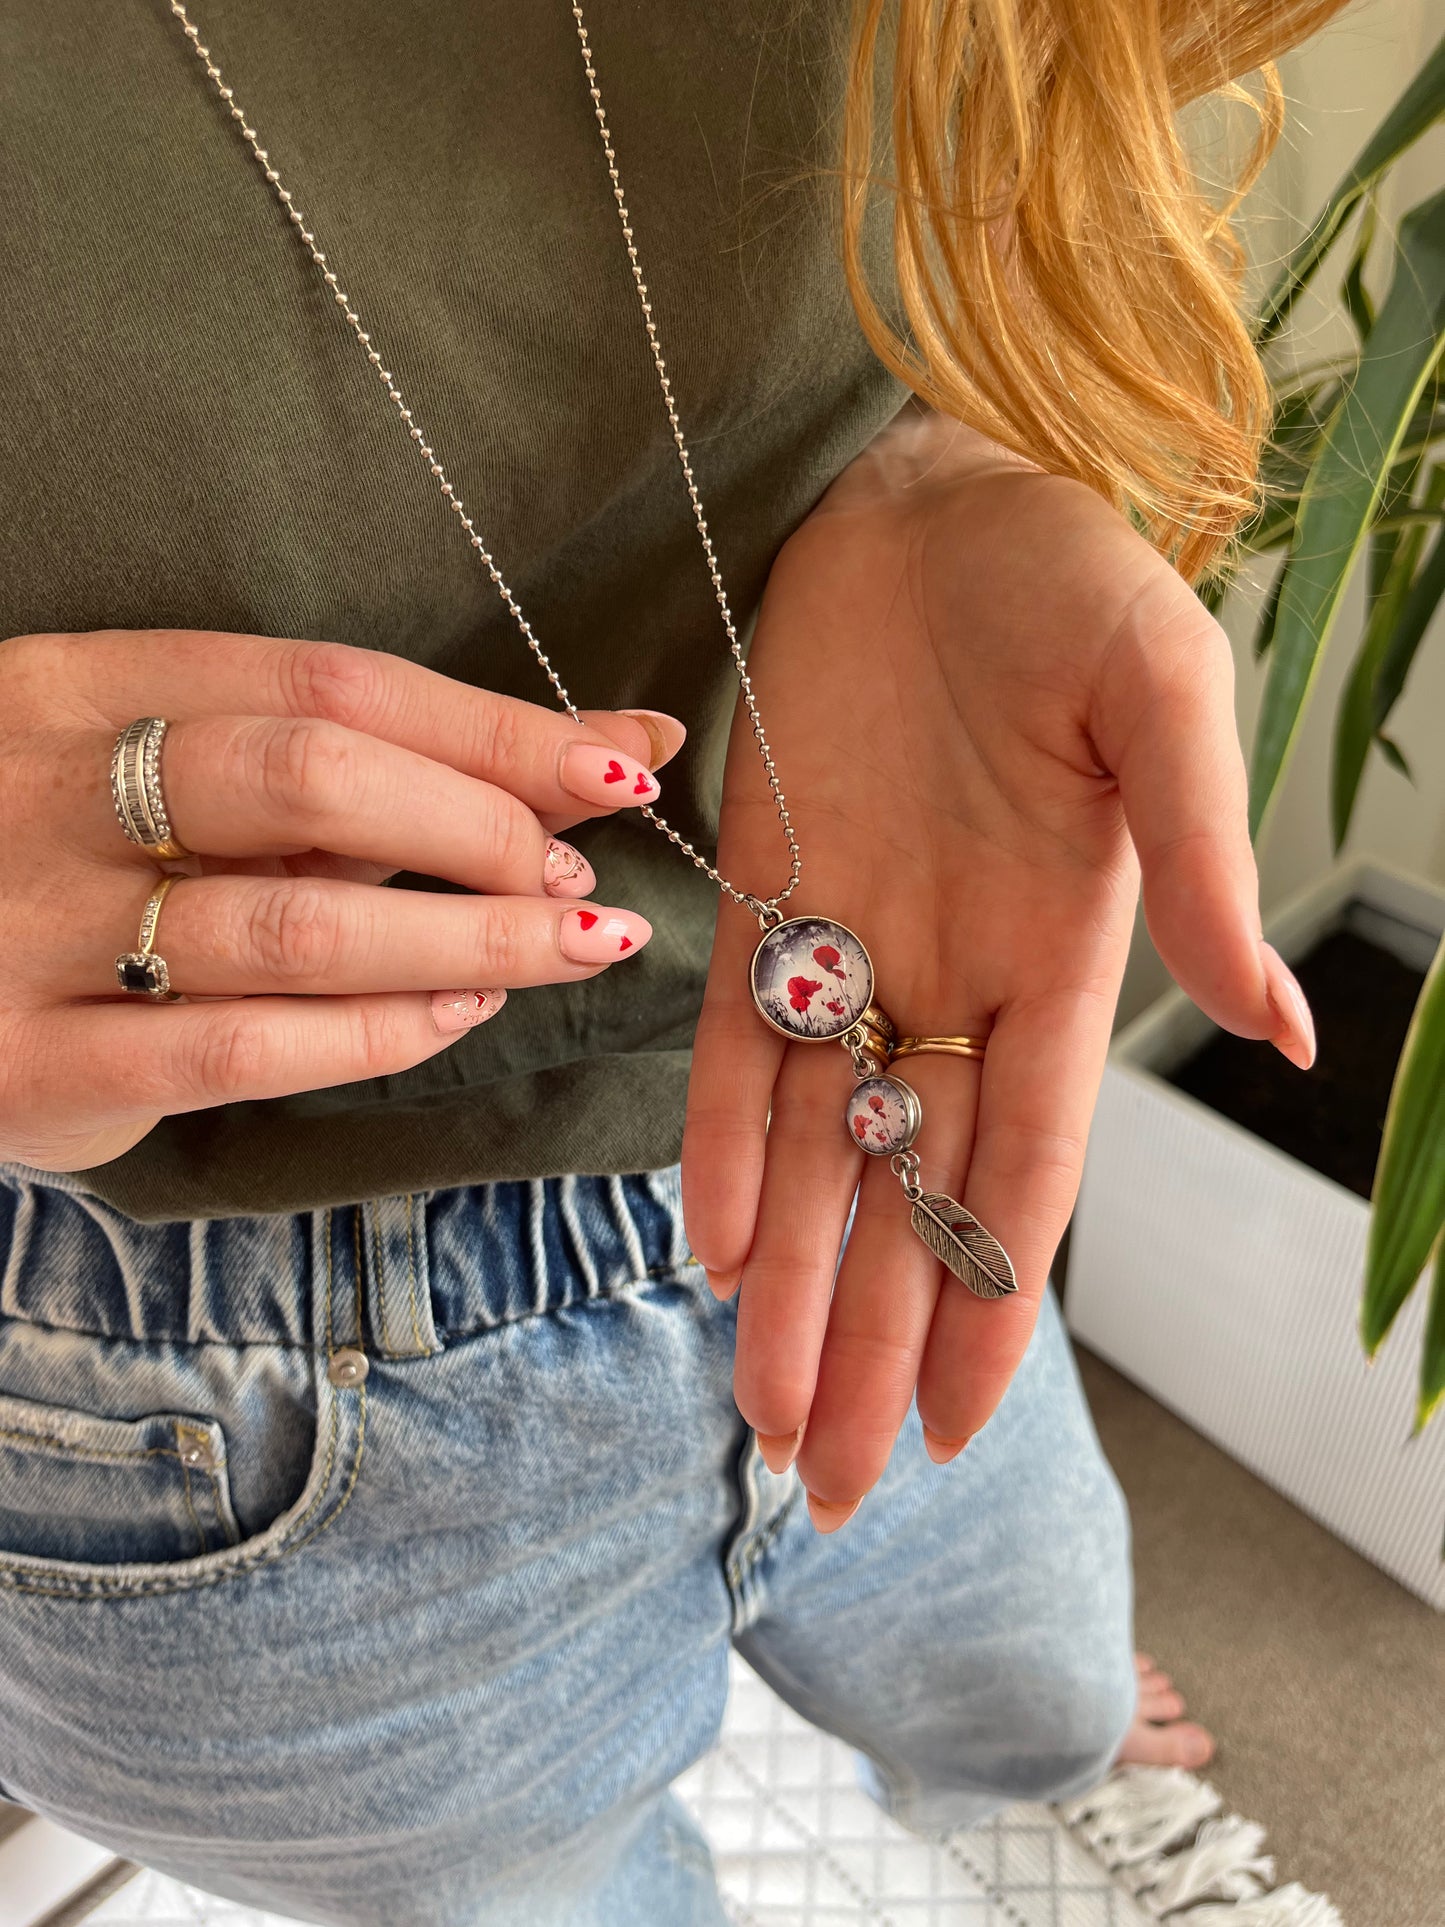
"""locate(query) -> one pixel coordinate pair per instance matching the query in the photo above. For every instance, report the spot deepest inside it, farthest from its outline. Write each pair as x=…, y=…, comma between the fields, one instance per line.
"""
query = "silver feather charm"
x=972, y=1254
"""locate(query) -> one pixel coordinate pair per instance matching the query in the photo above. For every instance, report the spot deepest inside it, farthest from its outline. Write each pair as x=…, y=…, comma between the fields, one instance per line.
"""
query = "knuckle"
x=296, y=931
x=498, y=732
x=305, y=768
x=513, y=839
x=506, y=942
x=384, y=1040
x=334, y=681
x=228, y=1058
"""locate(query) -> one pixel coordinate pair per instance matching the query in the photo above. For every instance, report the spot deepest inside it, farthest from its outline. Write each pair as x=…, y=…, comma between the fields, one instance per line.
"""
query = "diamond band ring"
x=135, y=787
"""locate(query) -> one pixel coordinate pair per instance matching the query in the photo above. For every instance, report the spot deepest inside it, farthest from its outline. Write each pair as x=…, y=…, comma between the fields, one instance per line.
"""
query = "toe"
x=1160, y=1702
x=1179, y=1744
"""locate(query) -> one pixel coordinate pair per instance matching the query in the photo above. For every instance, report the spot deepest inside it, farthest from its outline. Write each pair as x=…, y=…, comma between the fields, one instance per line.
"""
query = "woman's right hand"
x=302, y=774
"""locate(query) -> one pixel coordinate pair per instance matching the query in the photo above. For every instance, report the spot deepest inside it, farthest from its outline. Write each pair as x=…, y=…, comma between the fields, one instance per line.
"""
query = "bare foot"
x=1159, y=1735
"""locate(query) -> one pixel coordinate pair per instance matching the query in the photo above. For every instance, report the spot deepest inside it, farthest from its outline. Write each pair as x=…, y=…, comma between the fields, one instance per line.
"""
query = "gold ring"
x=141, y=971
x=946, y=1046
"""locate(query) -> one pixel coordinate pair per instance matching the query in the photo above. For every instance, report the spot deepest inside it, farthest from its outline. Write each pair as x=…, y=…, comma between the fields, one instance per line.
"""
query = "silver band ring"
x=135, y=787
x=141, y=971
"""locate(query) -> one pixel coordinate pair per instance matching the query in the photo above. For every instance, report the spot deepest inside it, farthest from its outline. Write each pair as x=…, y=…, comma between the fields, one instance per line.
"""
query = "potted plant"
x=1220, y=1259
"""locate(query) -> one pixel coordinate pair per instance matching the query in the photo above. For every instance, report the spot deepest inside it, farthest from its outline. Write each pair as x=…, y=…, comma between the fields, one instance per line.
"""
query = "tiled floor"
x=798, y=1844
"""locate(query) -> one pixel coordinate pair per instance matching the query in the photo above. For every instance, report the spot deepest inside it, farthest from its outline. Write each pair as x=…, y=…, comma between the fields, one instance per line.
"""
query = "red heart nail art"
x=626, y=944
x=642, y=785
x=586, y=918
x=615, y=772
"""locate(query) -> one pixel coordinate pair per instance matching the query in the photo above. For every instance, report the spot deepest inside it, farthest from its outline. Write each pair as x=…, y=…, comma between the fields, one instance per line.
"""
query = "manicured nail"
x=601, y=936
x=941, y=1450
x=597, y=774
x=828, y=1518
x=453, y=1011
x=566, y=872
x=1296, y=1038
x=722, y=1284
x=779, y=1449
x=665, y=733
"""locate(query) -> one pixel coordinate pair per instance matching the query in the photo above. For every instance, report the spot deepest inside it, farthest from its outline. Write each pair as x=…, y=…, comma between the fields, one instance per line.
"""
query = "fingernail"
x=601, y=936
x=723, y=1284
x=597, y=774
x=457, y=1010
x=665, y=733
x=779, y=1449
x=941, y=1450
x=566, y=872
x=828, y=1518
x=1296, y=1040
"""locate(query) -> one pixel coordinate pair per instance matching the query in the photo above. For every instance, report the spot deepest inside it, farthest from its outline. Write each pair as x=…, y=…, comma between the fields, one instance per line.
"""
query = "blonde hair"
x=1068, y=287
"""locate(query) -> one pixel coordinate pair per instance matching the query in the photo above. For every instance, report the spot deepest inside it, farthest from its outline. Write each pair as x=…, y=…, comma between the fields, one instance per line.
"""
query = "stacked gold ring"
x=963, y=1046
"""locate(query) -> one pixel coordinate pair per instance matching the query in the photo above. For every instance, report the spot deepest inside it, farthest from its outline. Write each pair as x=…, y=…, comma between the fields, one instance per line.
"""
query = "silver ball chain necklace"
x=811, y=976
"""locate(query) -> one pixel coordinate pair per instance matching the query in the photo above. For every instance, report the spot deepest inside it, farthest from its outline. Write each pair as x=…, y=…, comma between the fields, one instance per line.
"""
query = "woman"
x=380, y=1480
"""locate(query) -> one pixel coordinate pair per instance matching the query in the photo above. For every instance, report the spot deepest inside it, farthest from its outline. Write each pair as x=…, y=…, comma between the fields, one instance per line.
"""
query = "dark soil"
x=1332, y=1117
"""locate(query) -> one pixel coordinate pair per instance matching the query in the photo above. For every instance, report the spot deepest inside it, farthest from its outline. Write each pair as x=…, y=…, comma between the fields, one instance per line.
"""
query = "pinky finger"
x=110, y=1063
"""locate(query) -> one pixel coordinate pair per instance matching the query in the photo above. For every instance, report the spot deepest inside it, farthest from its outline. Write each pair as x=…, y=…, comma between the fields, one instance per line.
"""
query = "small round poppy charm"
x=883, y=1115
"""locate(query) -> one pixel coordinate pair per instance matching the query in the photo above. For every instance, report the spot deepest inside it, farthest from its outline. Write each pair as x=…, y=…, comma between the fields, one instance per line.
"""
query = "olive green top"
x=190, y=438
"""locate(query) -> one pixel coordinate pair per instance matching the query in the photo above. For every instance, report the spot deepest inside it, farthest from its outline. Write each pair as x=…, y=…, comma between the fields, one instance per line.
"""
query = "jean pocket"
x=214, y=1470
x=74, y=1486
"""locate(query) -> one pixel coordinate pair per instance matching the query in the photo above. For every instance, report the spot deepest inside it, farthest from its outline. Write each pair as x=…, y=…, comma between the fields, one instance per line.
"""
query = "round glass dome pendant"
x=811, y=978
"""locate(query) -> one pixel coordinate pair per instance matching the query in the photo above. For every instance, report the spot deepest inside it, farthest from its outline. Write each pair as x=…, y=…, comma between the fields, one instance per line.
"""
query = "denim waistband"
x=400, y=1274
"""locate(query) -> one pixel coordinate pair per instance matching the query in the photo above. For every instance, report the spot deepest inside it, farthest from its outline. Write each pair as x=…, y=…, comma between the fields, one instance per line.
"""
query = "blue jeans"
x=378, y=1564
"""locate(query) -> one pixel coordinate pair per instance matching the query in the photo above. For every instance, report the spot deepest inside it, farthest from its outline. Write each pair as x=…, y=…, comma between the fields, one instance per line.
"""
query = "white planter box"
x=1224, y=1277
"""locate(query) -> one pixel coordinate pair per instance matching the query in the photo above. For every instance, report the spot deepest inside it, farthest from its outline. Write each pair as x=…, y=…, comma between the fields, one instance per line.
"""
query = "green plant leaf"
x=1426, y=594
x=1432, y=1358
x=1409, y=1192
x=1343, y=491
x=1417, y=109
x=1353, y=292
x=1361, y=713
x=1399, y=489
x=1395, y=757
x=1269, y=614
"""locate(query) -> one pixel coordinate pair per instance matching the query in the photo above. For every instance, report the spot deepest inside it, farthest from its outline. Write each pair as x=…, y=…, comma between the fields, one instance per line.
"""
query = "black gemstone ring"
x=141, y=971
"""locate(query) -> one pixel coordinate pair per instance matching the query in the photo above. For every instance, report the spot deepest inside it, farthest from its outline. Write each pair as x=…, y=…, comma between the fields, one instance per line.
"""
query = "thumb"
x=1164, y=726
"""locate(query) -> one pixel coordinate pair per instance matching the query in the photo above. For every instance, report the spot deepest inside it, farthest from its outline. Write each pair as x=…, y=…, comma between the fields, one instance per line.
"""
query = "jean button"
x=347, y=1367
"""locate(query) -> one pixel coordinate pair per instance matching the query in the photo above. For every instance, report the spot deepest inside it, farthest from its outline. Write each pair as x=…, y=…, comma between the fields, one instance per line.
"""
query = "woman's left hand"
x=991, y=705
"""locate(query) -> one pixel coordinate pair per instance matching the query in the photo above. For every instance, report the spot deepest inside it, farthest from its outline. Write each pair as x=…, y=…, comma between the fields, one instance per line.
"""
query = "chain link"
x=764, y=908
x=905, y=1166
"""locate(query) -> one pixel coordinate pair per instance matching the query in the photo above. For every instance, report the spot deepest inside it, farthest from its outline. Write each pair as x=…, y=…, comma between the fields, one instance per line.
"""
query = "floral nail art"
x=453, y=1011
x=566, y=872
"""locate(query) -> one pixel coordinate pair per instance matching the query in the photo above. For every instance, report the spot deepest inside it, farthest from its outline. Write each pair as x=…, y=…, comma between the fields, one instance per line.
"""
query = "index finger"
x=1041, y=1075
x=522, y=747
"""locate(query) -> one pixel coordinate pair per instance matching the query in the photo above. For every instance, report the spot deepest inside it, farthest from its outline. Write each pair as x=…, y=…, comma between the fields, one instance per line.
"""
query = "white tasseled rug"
x=798, y=1844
